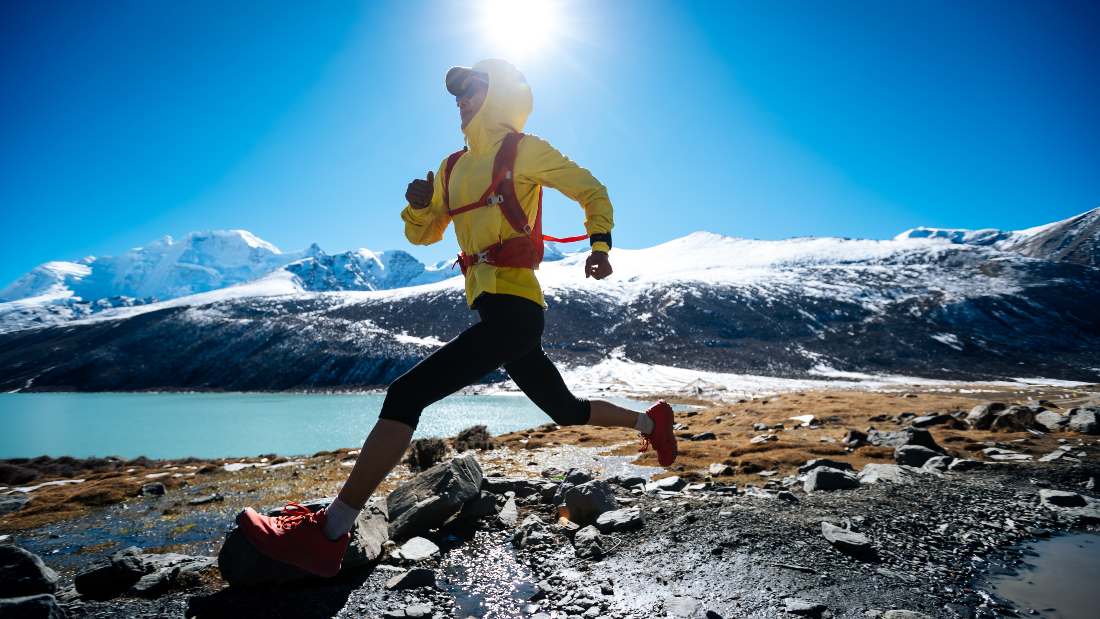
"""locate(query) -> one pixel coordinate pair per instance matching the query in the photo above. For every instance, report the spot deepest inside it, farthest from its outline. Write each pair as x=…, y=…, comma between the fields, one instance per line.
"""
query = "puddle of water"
x=485, y=578
x=1058, y=580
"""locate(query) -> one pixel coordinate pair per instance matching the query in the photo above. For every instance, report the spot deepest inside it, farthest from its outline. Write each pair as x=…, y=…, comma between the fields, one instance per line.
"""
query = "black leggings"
x=509, y=334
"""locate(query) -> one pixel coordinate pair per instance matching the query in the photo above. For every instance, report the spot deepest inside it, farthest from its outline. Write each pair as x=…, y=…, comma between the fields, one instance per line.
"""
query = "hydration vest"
x=523, y=251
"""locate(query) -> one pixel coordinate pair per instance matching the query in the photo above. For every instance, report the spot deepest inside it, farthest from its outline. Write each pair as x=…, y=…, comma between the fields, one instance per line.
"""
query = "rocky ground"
x=565, y=522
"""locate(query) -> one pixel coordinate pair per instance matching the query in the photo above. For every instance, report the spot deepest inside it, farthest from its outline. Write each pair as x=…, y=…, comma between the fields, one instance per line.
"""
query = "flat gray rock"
x=1051, y=421
x=509, y=514
x=848, y=542
x=913, y=455
x=416, y=577
x=1085, y=420
x=417, y=549
x=889, y=473
x=588, y=543
x=628, y=519
x=804, y=608
x=810, y=465
x=904, y=614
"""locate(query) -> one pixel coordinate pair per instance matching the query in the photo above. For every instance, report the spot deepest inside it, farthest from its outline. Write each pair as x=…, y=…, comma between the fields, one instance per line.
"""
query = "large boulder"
x=1051, y=421
x=1085, y=420
x=1014, y=419
x=242, y=565
x=908, y=436
x=132, y=572
x=22, y=573
x=428, y=500
x=981, y=416
x=826, y=478
x=574, y=477
x=889, y=473
x=584, y=503
x=913, y=455
x=41, y=606
x=810, y=465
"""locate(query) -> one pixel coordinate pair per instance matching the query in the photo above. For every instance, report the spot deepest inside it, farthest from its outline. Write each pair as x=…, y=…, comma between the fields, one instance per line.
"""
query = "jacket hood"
x=507, y=105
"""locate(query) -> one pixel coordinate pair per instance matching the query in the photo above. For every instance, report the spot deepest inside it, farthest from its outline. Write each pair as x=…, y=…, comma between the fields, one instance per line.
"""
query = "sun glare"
x=518, y=28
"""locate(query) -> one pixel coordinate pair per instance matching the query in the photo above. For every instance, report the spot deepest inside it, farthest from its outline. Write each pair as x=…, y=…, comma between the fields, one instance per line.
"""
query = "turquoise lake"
x=215, y=425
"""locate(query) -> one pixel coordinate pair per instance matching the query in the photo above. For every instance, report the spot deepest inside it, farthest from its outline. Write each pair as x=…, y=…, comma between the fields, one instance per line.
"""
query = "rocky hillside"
x=808, y=307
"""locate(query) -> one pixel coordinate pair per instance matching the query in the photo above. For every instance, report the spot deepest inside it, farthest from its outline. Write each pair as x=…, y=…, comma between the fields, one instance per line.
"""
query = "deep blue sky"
x=759, y=119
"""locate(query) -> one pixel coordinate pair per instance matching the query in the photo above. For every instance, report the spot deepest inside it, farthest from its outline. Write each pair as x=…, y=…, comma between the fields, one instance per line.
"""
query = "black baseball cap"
x=457, y=78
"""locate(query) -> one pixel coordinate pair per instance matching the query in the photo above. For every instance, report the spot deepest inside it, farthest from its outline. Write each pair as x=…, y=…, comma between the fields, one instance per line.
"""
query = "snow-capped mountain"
x=1076, y=239
x=799, y=308
x=200, y=262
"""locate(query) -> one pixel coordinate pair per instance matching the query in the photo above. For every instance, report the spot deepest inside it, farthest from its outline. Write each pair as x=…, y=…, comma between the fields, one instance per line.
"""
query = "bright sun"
x=518, y=28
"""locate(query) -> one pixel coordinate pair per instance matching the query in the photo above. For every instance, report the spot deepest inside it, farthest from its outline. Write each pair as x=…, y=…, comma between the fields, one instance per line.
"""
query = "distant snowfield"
x=622, y=377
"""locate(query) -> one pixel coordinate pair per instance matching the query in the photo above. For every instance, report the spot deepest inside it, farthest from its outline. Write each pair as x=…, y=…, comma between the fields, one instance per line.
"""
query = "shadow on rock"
x=305, y=600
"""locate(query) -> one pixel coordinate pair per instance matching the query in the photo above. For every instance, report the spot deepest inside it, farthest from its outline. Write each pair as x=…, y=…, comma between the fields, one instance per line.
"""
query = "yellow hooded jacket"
x=506, y=108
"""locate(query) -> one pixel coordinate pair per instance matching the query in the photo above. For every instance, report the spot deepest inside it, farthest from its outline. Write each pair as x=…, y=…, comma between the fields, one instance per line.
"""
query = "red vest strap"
x=452, y=159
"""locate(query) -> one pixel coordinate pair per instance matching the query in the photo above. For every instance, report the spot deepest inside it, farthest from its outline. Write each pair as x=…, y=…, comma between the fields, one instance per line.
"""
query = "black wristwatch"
x=604, y=237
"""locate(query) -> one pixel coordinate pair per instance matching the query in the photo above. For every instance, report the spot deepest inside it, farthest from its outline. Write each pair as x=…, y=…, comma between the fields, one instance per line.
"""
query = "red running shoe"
x=296, y=537
x=662, y=439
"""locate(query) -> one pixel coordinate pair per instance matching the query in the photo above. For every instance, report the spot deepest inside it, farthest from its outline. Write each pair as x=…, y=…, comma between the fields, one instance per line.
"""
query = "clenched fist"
x=419, y=193
x=597, y=265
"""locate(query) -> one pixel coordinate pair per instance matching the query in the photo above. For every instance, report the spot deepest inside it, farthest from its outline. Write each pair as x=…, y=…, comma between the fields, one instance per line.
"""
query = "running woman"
x=492, y=191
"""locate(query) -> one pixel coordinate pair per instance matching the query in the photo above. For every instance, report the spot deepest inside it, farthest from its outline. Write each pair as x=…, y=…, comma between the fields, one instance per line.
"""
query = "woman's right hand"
x=419, y=193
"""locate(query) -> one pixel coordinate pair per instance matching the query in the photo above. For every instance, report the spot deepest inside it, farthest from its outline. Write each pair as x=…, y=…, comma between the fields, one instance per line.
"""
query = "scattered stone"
x=854, y=438
x=908, y=436
x=573, y=478
x=833, y=464
x=509, y=514
x=913, y=455
x=1051, y=421
x=417, y=549
x=530, y=530
x=803, y=420
x=585, y=502
x=672, y=483
x=154, y=489
x=937, y=463
x=13, y=502
x=1052, y=456
x=1070, y=506
x=926, y=421
x=889, y=473
x=825, y=478
x=588, y=543
x=961, y=465
x=22, y=573
x=129, y=571
x=848, y=542
x=628, y=519
x=416, y=577
x=432, y=497
x=41, y=606
x=763, y=438
x=786, y=495
x=982, y=415
x=416, y=610
x=904, y=614
x=1085, y=420
x=718, y=469
x=1005, y=455
x=1013, y=419
x=759, y=427
x=209, y=498
x=805, y=608
x=704, y=436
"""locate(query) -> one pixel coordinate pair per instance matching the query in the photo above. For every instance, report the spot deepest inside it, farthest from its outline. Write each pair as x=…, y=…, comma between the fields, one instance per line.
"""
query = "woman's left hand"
x=597, y=265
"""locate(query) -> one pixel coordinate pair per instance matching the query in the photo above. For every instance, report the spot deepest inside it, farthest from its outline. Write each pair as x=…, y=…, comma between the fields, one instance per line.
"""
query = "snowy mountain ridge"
x=797, y=308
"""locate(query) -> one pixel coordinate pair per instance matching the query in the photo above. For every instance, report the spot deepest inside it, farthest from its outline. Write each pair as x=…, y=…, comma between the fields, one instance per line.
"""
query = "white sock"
x=644, y=424
x=339, y=518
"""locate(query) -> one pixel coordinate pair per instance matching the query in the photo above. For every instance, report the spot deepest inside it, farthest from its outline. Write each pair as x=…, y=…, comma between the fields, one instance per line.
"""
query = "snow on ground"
x=622, y=377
